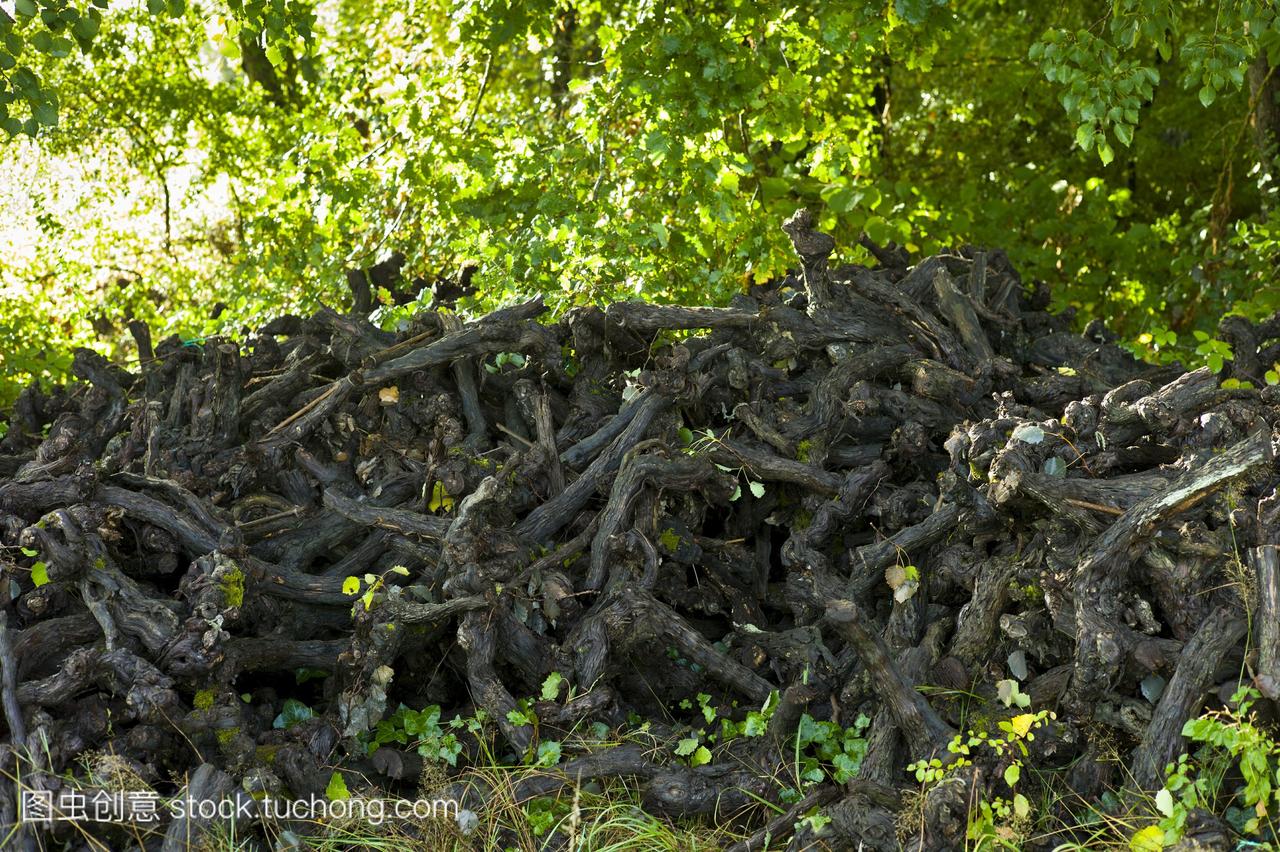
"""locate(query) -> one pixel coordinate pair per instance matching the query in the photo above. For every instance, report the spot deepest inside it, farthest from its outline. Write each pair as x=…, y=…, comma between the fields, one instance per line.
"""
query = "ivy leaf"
x=686, y=746
x=700, y=757
x=292, y=713
x=846, y=767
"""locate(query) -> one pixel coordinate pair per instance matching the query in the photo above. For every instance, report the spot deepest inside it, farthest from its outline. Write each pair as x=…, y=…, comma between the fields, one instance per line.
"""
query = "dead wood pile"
x=839, y=488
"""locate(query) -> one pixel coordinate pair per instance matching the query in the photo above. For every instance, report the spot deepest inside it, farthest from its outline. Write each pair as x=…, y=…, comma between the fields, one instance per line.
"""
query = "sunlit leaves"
x=656, y=161
x=55, y=28
x=1106, y=78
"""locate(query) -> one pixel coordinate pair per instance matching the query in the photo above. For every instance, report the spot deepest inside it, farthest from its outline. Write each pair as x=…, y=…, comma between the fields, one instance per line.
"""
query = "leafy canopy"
x=172, y=155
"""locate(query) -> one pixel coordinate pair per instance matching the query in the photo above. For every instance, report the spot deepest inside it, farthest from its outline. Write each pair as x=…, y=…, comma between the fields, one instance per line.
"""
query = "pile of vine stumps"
x=884, y=492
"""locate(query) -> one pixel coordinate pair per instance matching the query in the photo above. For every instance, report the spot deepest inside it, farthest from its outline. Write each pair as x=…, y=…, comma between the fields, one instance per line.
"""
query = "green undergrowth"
x=1231, y=769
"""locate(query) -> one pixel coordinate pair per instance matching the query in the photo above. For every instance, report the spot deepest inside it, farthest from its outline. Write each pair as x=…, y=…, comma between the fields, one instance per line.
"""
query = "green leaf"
x=1124, y=132
x=155, y=7
x=1084, y=136
x=1012, y=773
x=700, y=757
x=757, y=489
x=686, y=746
x=229, y=47
x=26, y=8
x=1207, y=95
x=293, y=712
x=1029, y=433
x=846, y=767
x=660, y=231
x=840, y=199
x=351, y=585
x=1007, y=691
x=548, y=753
x=39, y=574
x=87, y=26
x=1149, y=839
x=878, y=229
x=551, y=686
x=1105, y=153
x=440, y=499
x=337, y=788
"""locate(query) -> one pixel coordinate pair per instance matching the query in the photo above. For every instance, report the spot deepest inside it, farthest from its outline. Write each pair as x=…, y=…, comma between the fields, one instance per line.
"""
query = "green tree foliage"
x=172, y=155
